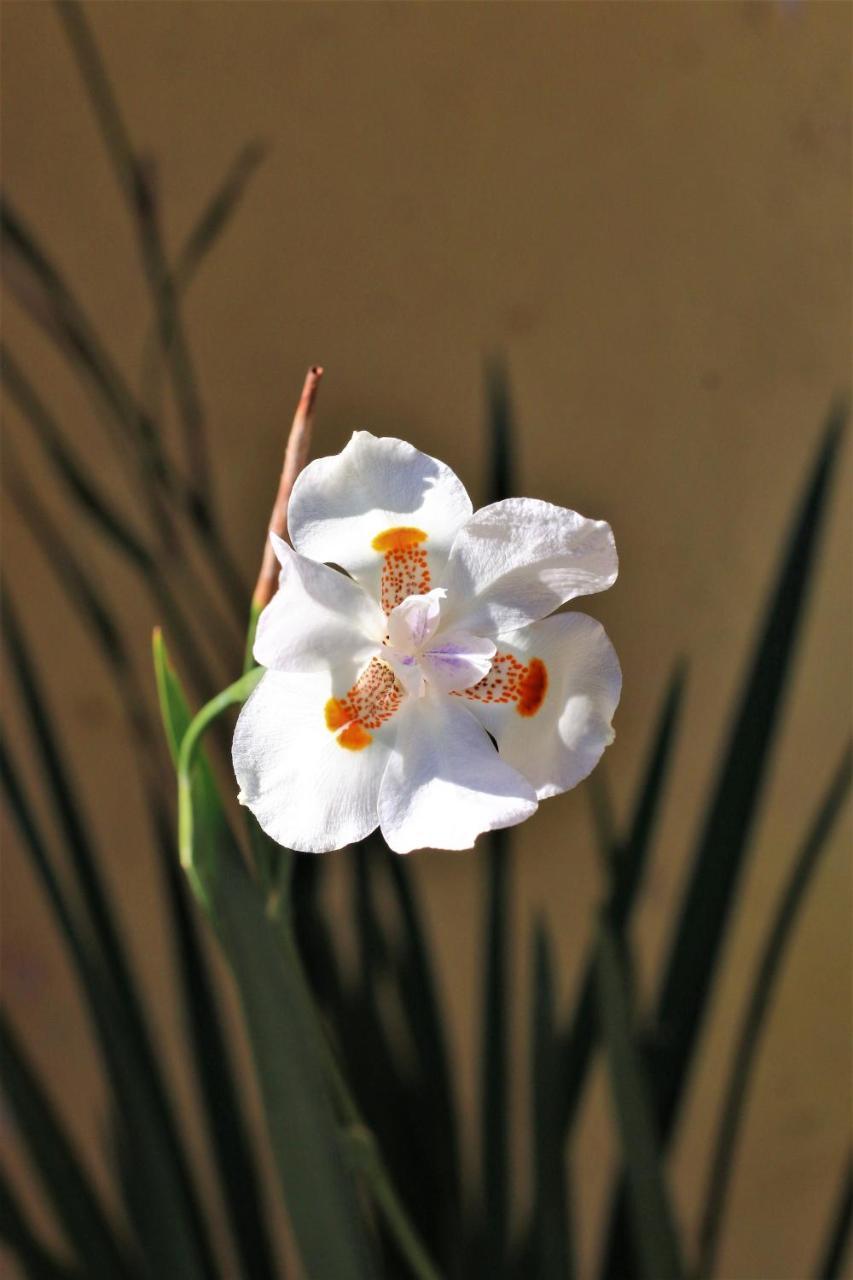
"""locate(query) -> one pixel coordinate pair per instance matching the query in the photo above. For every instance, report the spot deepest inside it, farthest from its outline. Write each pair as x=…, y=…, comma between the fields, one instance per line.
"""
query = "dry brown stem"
x=295, y=457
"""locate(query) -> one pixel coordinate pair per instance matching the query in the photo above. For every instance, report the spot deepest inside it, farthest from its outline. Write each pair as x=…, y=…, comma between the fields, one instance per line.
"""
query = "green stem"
x=248, y=656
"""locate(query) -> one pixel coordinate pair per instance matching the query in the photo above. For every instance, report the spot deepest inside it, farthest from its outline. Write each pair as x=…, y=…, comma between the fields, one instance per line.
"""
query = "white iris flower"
x=388, y=685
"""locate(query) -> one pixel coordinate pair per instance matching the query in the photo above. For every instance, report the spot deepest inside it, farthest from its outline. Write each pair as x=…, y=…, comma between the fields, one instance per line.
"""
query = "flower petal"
x=518, y=560
x=384, y=511
x=445, y=784
x=549, y=699
x=457, y=660
x=414, y=621
x=317, y=620
x=308, y=788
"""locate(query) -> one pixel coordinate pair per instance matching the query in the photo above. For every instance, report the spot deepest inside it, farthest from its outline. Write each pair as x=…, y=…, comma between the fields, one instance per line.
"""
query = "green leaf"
x=176, y=1228
x=501, y=441
x=749, y=1036
x=200, y=851
x=601, y=806
x=163, y=1217
x=222, y=1112
x=248, y=655
x=217, y=213
x=629, y=864
x=139, y=196
x=551, y=1248
x=654, y=1232
x=423, y=1014
x=105, y=518
x=201, y=240
x=42, y=292
x=62, y=1175
x=63, y=797
x=108, y=520
x=728, y=824
x=494, y=1095
x=494, y=1114
x=140, y=200
x=724, y=839
x=832, y=1255
x=15, y=1231
x=283, y=1030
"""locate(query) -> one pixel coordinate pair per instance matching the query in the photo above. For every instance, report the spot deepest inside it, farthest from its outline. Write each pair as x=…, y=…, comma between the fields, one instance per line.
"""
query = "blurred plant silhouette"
x=353, y=1071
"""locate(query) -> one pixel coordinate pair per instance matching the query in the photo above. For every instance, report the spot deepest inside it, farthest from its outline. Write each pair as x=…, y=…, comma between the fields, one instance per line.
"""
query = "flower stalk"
x=295, y=457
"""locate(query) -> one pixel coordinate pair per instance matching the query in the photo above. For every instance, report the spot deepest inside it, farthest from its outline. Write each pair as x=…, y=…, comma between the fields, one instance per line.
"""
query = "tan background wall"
x=647, y=208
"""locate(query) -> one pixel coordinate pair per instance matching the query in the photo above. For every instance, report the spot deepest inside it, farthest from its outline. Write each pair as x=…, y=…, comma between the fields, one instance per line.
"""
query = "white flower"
x=386, y=690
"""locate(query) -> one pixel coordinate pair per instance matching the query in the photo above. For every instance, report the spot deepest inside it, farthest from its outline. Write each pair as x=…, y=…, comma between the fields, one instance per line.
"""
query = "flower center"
x=420, y=652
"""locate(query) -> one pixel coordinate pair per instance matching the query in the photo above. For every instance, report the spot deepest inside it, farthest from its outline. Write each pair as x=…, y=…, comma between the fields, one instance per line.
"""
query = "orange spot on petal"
x=398, y=538
x=337, y=714
x=532, y=688
x=355, y=737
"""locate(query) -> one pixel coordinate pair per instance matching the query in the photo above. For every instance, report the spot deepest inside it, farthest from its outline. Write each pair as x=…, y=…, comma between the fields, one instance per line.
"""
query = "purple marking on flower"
x=453, y=654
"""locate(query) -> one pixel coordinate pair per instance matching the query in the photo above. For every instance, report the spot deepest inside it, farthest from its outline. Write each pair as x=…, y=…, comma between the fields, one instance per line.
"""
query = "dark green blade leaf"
x=501, y=441
x=164, y=1229
x=40, y=289
x=223, y=1109
x=551, y=1222
x=628, y=866
x=37, y=851
x=65, y=1181
x=654, y=1232
x=494, y=1095
x=389, y=1079
x=142, y=206
x=282, y=1027
x=18, y=1235
x=838, y=1239
x=64, y=800
x=728, y=824
x=422, y=1010
x=381, y=1078
x=133, y=433
x=139, y=197
x=223, y=1113
x=110, y=523
x=111, y=990
x=604, y=824
x=494, y=1113
x=630, y=863
x=217, y=213
x=725, y=834
x=769, y=966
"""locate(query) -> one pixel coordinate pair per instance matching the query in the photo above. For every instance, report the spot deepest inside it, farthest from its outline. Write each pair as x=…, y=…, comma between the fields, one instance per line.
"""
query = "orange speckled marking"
x=512, y=681
x=371, y=701
x=405, y=571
